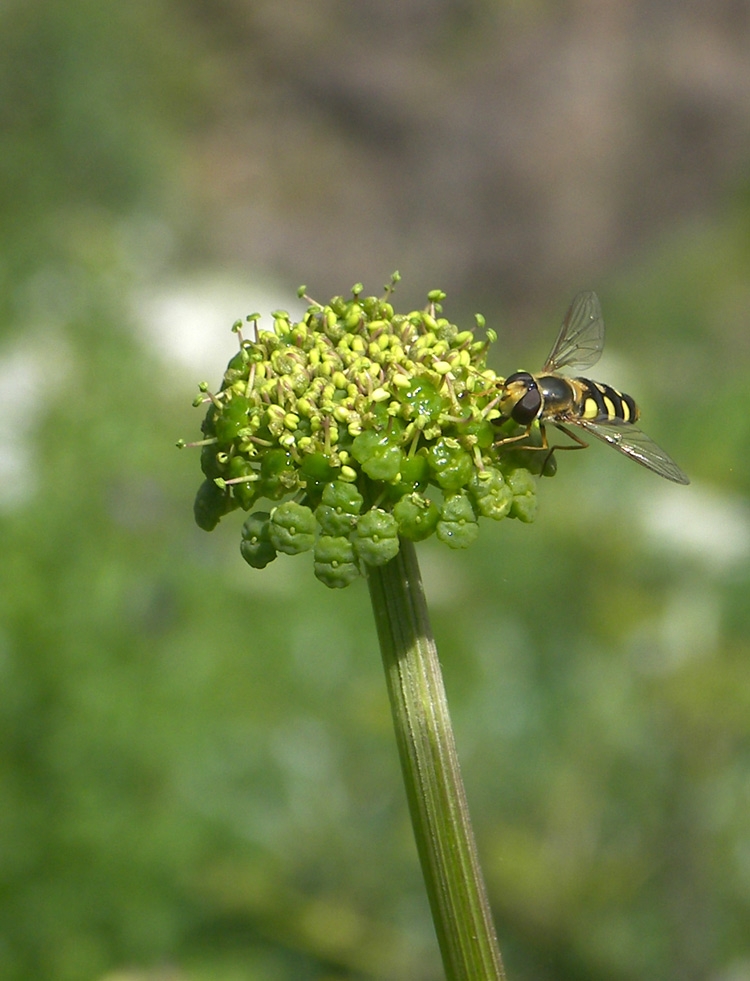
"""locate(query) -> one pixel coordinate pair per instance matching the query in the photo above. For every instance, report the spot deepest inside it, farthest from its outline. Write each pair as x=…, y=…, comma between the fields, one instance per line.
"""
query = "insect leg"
x=543, y=446
x=514, y=439
x=581, y=443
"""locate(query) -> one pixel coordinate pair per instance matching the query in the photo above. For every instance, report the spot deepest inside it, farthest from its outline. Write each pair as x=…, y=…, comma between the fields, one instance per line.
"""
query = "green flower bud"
x=451, y=465
x=424, y=400
x=521, y=482
x=278, y=474
x=478, y=432
x=317, y=467
x=339, y=507
x=414, y=476
x=524, y=505
x=209, y=464
x=457, y=526
x=379, y=455
x=334, y=561
x=375, y=537
x=524, y=508
x=491, y=494
x=211, y=504
x=353, y=316
x=245, y=492
x=292, y=528
x=239, y=361
x=545, y=465
x=231, y=419
x=256, y=547
x=338, y=305
x=416, y=516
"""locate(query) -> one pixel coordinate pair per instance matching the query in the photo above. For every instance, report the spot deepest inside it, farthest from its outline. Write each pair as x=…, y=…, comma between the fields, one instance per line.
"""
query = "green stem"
x=439, y=813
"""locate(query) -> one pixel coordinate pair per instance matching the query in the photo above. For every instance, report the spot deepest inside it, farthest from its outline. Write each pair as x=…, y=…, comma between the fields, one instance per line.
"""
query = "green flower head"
x=355, y=427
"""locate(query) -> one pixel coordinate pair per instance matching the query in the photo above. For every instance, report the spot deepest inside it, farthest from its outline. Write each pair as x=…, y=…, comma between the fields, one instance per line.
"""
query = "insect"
x=596, y=408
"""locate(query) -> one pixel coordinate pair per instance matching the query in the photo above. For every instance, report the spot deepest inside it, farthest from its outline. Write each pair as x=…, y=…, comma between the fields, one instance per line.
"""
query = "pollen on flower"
x=356, y=427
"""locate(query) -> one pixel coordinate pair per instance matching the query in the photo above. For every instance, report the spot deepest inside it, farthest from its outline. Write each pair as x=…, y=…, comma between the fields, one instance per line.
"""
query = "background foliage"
x=199, y=778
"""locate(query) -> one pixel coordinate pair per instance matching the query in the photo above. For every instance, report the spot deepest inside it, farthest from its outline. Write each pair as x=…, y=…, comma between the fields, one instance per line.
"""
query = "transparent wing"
x=581, y=339
x=631, y=441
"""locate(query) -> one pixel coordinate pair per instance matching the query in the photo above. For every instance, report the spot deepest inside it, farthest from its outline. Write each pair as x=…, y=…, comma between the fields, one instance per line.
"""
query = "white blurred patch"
x=190, y=320
x=698, y=523
x=688, y=628
x=26, y=383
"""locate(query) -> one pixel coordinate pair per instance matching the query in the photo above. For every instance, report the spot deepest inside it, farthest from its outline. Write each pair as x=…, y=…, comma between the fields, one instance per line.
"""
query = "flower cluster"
x=359, y=426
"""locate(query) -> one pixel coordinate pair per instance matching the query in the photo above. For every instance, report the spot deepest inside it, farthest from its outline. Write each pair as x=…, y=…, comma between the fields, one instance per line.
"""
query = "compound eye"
x=527, y=408
x=520, y=377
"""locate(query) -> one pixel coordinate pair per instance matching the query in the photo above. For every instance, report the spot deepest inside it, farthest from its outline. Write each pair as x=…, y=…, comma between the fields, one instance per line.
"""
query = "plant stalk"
x=437, y=800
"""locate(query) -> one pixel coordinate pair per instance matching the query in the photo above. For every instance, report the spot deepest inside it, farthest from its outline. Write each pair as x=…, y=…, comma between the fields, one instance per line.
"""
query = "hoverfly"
x=596, y=408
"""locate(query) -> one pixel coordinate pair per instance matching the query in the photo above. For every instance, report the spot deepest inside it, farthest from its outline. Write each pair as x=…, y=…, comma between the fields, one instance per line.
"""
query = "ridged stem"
x=437, y=800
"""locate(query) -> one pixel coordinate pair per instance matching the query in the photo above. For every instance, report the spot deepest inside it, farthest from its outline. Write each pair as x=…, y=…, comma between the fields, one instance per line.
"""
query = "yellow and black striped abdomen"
x=602, y=403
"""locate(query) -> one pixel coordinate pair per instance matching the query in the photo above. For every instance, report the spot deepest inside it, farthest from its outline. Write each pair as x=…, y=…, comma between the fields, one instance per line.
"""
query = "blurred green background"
x=197, y=770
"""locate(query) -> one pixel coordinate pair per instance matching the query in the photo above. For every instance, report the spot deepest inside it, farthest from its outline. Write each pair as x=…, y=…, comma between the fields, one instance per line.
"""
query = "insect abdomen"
x=602, y=403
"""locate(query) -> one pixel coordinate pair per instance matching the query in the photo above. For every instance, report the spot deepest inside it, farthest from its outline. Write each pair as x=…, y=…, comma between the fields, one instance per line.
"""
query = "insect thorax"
x=560, y=394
